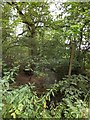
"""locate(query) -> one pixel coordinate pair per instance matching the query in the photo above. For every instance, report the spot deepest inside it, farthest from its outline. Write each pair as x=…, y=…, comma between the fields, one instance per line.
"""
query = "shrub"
x=23, y=102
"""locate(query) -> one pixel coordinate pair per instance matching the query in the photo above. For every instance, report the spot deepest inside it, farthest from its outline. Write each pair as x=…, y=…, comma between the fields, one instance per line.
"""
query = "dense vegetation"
x=46, y=60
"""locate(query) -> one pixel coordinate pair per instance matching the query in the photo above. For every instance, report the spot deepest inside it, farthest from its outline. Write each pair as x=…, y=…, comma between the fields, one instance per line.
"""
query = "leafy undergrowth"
x=66, y=99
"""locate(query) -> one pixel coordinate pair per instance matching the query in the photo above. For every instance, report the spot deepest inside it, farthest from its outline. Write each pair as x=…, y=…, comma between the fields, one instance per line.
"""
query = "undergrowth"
x=67, y=99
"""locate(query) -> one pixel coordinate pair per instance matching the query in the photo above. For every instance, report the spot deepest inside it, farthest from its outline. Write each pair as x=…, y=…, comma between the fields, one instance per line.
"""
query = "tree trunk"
x=71, y=58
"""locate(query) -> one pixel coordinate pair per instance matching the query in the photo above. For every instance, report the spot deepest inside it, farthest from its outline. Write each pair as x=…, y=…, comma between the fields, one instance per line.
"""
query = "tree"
x=44, y=40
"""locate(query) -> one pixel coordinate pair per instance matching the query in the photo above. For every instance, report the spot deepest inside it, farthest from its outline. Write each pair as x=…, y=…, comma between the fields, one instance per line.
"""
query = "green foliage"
x=77, y=109
x=23, y=102
x=9, y=73
x=43, y=39
x=20, y=101
x=45, y=42
x=77, y=86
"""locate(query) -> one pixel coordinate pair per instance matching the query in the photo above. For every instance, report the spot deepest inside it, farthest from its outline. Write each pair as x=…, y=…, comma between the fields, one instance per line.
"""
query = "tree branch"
x=22, y=33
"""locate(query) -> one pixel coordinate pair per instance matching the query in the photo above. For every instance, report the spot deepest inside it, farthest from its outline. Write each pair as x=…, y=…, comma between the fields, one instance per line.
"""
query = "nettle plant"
x=76, y=93
x=9, y=73
x=23, y=102
x=77, y=86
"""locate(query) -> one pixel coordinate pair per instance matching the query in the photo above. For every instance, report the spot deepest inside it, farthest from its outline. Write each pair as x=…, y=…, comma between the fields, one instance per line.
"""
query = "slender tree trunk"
x=71, y=58
x=80, y=42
